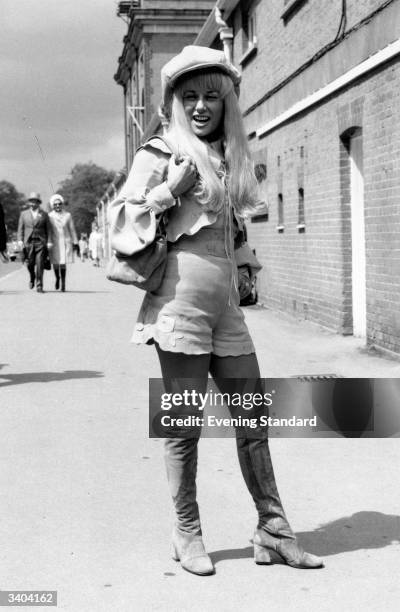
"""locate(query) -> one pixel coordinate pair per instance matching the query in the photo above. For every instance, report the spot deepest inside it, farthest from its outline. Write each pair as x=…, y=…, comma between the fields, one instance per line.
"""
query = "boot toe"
x=189, y=550
x=310, y=561
x=202, y=566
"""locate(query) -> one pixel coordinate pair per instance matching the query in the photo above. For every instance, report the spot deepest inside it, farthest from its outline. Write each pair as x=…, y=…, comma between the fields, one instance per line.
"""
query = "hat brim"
x=202, y=66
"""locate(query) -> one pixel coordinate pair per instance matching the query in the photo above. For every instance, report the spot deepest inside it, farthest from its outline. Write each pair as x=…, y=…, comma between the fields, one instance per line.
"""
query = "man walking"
x=3, y=236
x=34, y=234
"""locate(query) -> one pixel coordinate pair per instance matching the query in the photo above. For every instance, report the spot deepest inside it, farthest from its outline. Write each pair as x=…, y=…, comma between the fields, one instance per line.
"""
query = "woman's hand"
x=182, y=175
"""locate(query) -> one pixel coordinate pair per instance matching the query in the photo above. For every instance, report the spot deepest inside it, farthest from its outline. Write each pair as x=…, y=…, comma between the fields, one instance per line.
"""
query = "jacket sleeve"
x=146, y=183
x=21, y=228
x=49, y=229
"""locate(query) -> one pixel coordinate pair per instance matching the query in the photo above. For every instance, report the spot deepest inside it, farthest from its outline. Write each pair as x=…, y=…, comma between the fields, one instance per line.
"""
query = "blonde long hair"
x=240, y=178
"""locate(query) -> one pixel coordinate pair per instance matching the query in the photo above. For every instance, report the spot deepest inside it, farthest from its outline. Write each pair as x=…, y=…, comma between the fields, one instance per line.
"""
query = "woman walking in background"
x=64, y=239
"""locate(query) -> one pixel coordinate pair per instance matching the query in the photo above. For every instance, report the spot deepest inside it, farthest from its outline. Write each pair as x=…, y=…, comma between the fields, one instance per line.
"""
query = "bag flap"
x=133, y=229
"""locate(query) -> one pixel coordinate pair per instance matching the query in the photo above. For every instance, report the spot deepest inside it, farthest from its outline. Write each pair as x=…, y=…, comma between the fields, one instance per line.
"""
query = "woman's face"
x=204, y=109
x=57, y=205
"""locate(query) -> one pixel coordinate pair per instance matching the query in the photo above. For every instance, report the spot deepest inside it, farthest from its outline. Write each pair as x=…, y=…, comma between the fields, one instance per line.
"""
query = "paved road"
x=84, y=503
x=8, y=268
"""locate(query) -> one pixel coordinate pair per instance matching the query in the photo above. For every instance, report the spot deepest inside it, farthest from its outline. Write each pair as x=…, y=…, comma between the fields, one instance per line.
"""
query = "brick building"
x=157, y=30
x=320, y=85
x=320, y=96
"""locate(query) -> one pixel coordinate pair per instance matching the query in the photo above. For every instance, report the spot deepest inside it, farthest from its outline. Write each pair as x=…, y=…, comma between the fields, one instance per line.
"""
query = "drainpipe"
x=225, y=33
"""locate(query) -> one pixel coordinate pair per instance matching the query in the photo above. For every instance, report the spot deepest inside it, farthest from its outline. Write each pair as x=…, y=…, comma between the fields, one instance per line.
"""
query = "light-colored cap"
x=191, y=59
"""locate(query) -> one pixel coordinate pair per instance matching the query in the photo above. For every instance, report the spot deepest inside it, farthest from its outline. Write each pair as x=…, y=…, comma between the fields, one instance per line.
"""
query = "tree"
x=83, y=189
x=12, y=201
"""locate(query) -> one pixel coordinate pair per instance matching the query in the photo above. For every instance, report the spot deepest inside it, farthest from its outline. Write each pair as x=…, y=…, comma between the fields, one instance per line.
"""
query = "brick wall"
x=309, y=274
x=283, y=46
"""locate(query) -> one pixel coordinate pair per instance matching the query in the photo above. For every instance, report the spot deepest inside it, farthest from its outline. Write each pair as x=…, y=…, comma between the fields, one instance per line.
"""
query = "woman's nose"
x=200, y=104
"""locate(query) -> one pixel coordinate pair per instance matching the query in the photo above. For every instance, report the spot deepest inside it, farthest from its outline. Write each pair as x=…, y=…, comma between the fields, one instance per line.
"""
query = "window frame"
x=249, y=29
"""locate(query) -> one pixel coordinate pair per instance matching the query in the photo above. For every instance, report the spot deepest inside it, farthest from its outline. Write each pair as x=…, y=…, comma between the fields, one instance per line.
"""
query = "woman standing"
x=64, y=239
x=194, y=319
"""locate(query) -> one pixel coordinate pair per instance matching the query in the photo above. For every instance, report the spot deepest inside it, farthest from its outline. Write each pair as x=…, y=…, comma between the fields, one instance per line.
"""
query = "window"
x=280, y=227
x=141, y=86
x=249, y=28
x=301, y=225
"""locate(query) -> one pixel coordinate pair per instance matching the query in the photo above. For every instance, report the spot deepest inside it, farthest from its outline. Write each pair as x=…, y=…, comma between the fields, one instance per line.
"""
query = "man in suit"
x=34, y=234
x=3, y=236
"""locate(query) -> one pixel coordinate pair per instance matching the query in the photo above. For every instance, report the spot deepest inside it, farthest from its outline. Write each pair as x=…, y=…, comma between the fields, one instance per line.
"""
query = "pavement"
x=85, y=508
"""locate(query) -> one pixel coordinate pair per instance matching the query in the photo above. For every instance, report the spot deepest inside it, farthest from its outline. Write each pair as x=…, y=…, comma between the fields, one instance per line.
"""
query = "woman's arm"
x=146, y=183
x=146, y=194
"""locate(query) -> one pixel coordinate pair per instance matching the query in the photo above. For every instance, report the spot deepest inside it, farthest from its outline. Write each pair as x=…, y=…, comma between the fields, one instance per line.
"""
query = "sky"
x=58, y=98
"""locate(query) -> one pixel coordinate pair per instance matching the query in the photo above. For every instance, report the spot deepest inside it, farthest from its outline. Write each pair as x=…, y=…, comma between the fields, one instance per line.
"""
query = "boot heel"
x=174, y=553
x=262, y=555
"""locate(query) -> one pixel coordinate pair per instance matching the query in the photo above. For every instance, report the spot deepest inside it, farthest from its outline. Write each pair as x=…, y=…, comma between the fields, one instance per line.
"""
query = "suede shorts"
x=196, y=309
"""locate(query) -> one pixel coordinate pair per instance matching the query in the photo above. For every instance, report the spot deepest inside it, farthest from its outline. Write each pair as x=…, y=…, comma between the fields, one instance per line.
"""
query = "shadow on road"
x=11, y=292
x=72, y=291
x=361, y=531
x=231, y=553
x=46, y=291
x=43, y=377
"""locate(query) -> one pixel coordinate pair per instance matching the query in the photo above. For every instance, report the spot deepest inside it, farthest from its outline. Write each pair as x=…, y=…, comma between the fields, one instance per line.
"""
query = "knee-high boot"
x=63, y=271
x=57, y=275
x=274, y=540
x=187, y=543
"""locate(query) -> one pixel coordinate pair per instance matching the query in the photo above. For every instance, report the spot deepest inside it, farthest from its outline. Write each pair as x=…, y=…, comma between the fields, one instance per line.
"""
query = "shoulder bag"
x=248, y=266
x=140, y=254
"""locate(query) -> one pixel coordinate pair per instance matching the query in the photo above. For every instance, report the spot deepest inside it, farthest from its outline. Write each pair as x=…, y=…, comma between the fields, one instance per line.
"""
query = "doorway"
x=358, y=250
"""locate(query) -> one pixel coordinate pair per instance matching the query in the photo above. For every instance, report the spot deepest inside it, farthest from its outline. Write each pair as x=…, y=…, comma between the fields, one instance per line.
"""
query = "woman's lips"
x=200, y=119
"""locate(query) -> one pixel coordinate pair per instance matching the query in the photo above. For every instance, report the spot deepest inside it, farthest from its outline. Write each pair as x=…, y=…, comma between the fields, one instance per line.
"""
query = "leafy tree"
x=83, y=189
x=13, y=202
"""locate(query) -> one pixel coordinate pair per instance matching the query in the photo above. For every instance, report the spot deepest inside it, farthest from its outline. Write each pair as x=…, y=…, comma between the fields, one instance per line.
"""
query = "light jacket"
x=147, y=187
x=64, y=236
